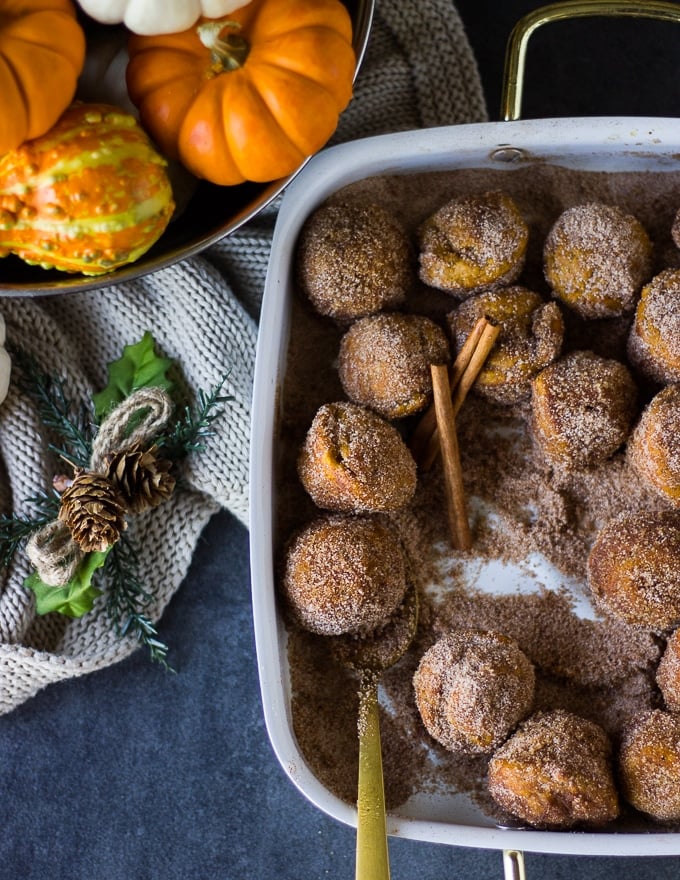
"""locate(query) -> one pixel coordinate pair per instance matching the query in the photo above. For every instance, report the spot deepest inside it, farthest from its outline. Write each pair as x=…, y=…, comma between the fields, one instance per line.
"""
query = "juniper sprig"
x=127, y=597
x=195, y=426
x=15, y=528
x=73, y=426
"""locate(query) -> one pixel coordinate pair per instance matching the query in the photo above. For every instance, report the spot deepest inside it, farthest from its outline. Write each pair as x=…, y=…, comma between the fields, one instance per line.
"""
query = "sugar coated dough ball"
x=353, y=260
x=634, y=568
x=472, y=687
x=344, y=574
x=354, y=461
x=668, y=672
x=596, y=259
x=654, y=447
x=654, y=339
x=649, y=764
x=582, y=408
x=555, y=772
x=472, y=243
x=384, y=362
x=531, y=337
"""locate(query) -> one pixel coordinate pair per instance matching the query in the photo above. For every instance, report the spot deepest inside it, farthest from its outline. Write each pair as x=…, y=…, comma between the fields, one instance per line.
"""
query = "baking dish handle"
x=515, y=56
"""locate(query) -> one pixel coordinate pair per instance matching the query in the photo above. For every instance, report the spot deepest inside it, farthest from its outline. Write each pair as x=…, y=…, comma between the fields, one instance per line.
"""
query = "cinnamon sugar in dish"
x=533, y=516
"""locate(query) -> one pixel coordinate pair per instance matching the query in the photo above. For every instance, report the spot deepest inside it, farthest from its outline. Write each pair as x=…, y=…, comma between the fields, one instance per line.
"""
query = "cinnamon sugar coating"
x=596, y=259
x=654, y=339
x=668, y=672
x=472, y=243
x=344, y=574
x=649, y=764
x=582, y=408
x=634, y=568
x=353, y=260
x=471, y=688
x=531, y=337
x=354, y=461
x=555, y=772
x=384, y=362
x=654, y=447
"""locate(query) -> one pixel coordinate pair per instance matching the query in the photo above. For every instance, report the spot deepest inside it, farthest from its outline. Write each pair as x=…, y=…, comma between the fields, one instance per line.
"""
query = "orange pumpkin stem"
x=228, y=48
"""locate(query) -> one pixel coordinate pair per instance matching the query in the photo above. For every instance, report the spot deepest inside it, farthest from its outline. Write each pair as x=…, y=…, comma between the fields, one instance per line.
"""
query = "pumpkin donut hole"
x=649, y=764
x=531, y=336
x=582, y=409
x=384, y=362
x=471, y=688
x=654, y=446
x=596, y=258
x=353, y=261
x=473, y=243
x=653, y=346
x=634, y=568
x=354, y=461
x=556, y=772
x=668, y=672
x=344, y=574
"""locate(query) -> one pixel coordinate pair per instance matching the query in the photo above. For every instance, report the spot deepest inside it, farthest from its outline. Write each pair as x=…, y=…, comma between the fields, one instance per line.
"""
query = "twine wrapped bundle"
x=418, y=72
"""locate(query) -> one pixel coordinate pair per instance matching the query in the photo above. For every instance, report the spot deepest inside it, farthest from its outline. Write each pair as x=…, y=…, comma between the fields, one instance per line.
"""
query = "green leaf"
x=76, y=597
x=138, y=367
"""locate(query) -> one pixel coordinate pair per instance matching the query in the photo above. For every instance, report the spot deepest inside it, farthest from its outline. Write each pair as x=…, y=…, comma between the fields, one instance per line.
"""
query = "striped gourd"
x=90, y=195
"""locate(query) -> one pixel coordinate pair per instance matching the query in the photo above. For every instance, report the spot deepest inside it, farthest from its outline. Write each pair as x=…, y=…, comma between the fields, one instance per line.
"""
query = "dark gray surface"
x=136, y=773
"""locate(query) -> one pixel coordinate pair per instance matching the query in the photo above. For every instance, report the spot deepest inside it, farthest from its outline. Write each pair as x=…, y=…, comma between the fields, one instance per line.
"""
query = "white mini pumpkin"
x=151, y=17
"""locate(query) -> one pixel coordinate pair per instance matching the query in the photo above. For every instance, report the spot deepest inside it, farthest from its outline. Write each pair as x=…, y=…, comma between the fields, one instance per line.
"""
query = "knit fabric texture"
x=418, y=72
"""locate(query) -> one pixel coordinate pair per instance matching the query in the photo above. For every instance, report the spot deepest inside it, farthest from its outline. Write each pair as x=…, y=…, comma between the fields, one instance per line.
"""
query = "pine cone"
x=143, y=480
x=94, y=510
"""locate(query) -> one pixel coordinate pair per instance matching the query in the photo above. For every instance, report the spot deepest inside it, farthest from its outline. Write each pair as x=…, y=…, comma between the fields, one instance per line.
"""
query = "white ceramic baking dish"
x=600, y=144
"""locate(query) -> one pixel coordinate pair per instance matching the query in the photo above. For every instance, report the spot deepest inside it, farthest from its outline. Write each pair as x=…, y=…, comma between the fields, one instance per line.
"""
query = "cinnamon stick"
x=422, y=434
x=485, y=343
x=448, y=441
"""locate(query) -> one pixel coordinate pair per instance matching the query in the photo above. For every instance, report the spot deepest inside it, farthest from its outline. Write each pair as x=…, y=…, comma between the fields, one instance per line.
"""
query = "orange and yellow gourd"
x=90, y=195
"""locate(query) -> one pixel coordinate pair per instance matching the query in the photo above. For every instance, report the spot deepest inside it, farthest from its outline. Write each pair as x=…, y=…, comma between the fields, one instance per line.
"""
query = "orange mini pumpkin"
x=248, y=97
x=42, y=52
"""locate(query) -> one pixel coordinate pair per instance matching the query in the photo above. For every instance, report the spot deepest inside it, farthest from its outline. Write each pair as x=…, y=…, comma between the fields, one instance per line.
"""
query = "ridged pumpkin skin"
x=89, y=196
x=261, y=120
x=42, y=52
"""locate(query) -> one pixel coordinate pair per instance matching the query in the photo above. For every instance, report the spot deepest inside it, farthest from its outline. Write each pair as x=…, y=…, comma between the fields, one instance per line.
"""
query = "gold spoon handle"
x=372, y=860
x=513, y=864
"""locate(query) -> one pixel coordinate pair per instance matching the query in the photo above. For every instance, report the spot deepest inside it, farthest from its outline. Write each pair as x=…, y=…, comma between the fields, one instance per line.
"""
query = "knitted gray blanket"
x=418, y=72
